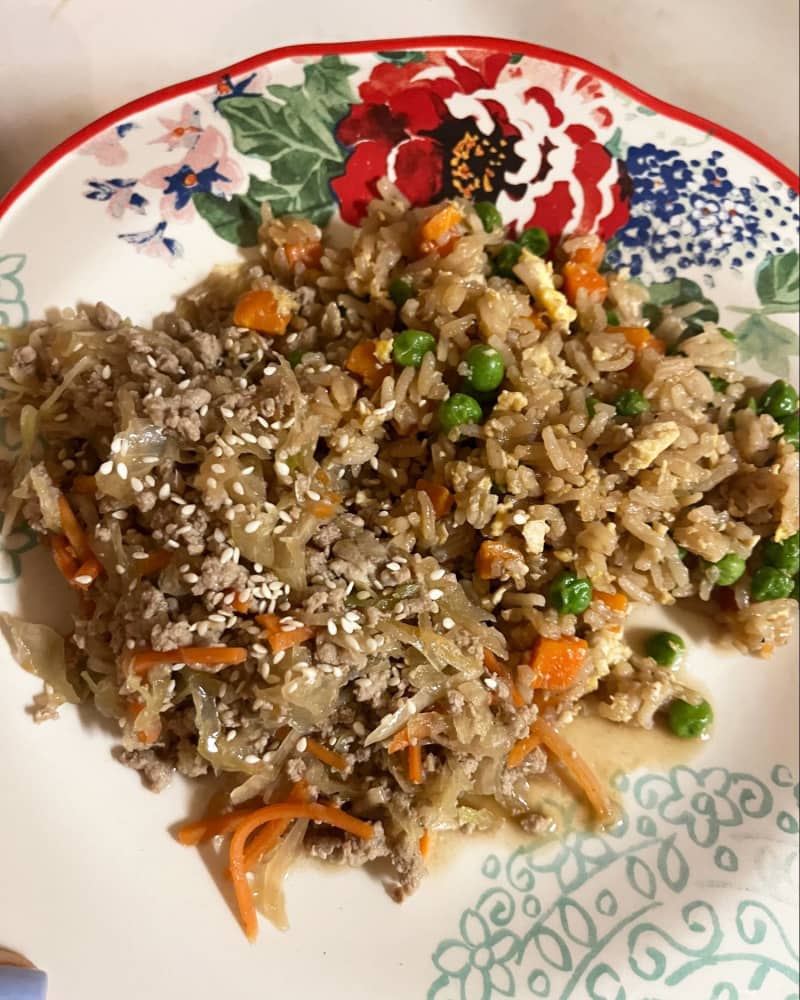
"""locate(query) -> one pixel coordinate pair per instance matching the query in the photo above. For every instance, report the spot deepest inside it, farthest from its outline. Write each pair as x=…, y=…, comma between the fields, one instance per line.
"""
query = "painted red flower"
x=528, y=136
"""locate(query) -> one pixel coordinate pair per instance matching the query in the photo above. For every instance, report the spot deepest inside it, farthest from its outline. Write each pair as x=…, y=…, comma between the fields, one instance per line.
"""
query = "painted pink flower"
x=107, y=148
x=474, y=126
x=181, y=132
x=207, y=167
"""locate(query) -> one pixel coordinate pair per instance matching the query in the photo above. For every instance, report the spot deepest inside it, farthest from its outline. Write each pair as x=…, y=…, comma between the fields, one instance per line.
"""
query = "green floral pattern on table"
x=19, y=541
x=13, y=308
x=655, y=908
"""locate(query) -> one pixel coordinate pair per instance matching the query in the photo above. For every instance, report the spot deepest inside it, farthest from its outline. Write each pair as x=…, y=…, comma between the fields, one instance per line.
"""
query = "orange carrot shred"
x=494, y=666
x=582, y=774
x=363, y=362
x=154, y=563
x=87, y=572
x=277, y=638
x=577, y=276
x=198, y=831
x=321, y=509
x=440, y=497
x=425, y=843
x=73, y=530
x=557, y=662
x=238, y=604
x=522, y=748
x=327, y=756
x=264, y=841
x=593, y=256
x=415, y=763
x=282, y=810
x=84, y=484
x=260, y=310
x=63, y=556
x=210, y=657
x=436, y=230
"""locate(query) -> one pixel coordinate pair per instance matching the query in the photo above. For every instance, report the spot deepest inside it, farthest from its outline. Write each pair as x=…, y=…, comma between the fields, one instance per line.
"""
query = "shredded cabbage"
x=40, y=651
x=268, y=885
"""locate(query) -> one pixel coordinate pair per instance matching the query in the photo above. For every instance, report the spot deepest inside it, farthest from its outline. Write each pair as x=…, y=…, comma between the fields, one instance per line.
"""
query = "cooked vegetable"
x=459, y=409
x=260, y=310
x=556, y=663
x=63, y=556
x=770, y=584
x=535, y=240
x=494, y=666
x=490, y=217
x=494, y=557
x=666, y=648
x=690, y=722
x=308, y=252
x=265, y=840
x=210, y=658
x=280, y=638
x=72, y=528
x=719, y=384
x=440, y=497
x=400, y=291
x=570, y=594
x=201, y=830
x=729, y=569
x=779, y=401
x=40, y=651
x=327, y=756
x=437, y=231
x=415, y=763
x=86, y=485
x=783, y=555
x=154, y=563
x=791, y=430
x=583, y=276
x=639, y=337
x=505, y=260
x=486, y=368
x=362, y=361
x=630, y=403
x=411, y=346
x=617, y=602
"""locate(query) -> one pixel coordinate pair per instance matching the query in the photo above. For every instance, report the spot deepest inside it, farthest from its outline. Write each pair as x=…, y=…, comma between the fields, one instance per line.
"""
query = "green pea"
x=505, y=260
x=690, y=722
x=719, y=384
x=665, y=648
x=295, y=357
x=411, y=346
x=791, y=430
x=570, y=594
x=400, y=291
x=535, y=240
x=783, y=555
x=780, y=400
x=490, y=218
x=459, y=409
x=612, y=317
x=770, y=584
x=591, y=406
x=486, y=368
x=630, y=403
x=729, y=569
x=681, y=552
x=727, y=334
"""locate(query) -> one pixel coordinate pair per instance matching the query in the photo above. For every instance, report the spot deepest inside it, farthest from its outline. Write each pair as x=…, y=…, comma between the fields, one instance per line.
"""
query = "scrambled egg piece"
x=383, y=350
x=645, y=450
x=534, y=533
x=511, y=401
x=538, y=277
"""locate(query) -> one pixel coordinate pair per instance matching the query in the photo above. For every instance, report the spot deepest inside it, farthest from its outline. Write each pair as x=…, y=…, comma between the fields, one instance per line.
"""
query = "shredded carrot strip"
x=577, y=276
x=84, y=484
x=73, y=530
x=440, y=497
x=264, y=841
x=282, y=810
x=309, y=252
x=639, y=337
x=494, y=666
x=593, y=256
x=277, y=638
x=198, y=831
x=425, y=843
x=154, y=563
x=321, y=509
x=557, y=662
x=583, y=775
x=404, y=738
x=63, y=557
x=415, y=763
x=87, y=572
x=363, y=362
x=492, y=557
x=197, y=656
x=238, y=605
x=260, y=310
x=522, y=748
x=329, y=757
x=433, y=231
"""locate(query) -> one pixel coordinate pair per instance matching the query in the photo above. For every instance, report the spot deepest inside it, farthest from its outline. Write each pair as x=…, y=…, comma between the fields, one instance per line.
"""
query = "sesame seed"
x=151, y=361
x=393, y=566
x=448, y=623
x=348, y=626
x=251, y=758
x=178, y=500
x=332, y=627
x=172, y=544
x=218, y=618
x=105, y=372
x=238, y=489
x=191, y=577
x=278, y=656
x=248, y=437
x=106, y=468
x=119, y=515
x=302, y=745
x=164, y=491
x=120, y=569
x=251, y=527
x=519, y=517
x=211, y=483
x=188, y=509
x=84, y=579
x=218, y=469
x=130, y=644
x=282, y=468
x=226, y=412
x=490, y=683
x=136, y=484
x=185, y=383
x=116, y=445
x=142, y=555
x=122, y=470
x=437, y=574
x=270, y=370
x=435, y=594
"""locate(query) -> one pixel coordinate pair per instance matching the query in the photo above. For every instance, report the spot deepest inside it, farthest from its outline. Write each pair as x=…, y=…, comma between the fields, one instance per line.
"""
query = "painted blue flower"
x=154, y=242
x=227, y=87
x=13, y=308
x=480, y=960
x=186, y=181
x=118, y=193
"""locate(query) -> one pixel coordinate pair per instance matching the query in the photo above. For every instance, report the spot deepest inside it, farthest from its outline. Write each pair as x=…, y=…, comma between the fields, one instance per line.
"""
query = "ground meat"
x=218, y=576
x=106, y=317
x=171, y=635
x=206, y=347
x=344, y=849
x=155, y=772
x=179, y=413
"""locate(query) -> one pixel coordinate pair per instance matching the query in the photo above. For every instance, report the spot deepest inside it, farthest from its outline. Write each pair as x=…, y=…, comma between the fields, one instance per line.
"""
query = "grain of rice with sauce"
x=257, y=478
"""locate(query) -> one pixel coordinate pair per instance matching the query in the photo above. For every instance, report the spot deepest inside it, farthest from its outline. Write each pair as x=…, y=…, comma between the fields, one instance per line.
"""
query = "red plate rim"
x=761, y=156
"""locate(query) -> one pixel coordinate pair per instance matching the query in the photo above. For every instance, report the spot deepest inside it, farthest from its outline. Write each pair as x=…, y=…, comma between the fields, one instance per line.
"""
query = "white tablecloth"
x=65, y=62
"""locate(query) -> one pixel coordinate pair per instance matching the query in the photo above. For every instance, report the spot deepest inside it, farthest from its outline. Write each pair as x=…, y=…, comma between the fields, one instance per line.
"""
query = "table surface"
x=733, y=61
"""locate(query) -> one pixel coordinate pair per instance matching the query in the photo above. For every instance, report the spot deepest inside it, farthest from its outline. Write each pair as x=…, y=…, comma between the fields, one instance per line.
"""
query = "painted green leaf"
x=406, y=56
x=770, y=343
x=640, y=877
x=294, y=134
x=778, y=281
x=614, y=145
x=679, y=292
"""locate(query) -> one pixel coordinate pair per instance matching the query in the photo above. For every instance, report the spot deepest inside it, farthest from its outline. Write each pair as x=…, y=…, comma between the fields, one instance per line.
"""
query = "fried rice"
x=294, y=576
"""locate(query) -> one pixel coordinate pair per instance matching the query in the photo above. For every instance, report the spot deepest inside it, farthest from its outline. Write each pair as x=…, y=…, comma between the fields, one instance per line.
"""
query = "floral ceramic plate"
x=694, y=894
